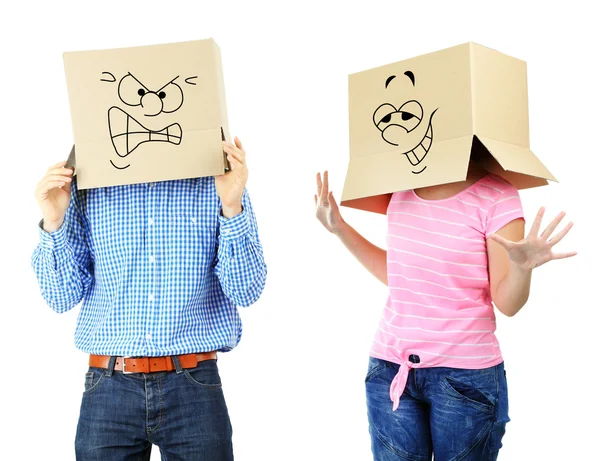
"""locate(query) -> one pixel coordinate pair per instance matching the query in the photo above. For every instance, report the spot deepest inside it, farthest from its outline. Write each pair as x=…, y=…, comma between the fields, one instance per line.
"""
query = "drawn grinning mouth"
x=417, y=155
x=127, y=134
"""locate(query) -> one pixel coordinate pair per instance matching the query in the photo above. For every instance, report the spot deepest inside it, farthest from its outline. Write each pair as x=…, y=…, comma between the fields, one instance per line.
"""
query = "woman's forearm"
x=513, y=291
x=373, y=258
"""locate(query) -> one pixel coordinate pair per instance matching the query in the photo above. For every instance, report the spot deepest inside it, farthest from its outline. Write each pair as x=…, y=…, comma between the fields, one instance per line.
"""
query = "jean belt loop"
x=111, y=366
x=178, y=368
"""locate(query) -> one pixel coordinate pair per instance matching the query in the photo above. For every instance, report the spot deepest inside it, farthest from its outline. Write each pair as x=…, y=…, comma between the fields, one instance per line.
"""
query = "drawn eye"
x=172, y=97
x=383, y=114
x=410, y=110
x=130, y=91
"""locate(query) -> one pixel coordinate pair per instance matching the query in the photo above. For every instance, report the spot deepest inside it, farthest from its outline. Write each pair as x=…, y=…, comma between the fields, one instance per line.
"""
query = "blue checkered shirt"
x=159, y=270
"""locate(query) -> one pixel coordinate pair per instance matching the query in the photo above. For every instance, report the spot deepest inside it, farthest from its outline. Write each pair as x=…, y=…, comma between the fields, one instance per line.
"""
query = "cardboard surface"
x=149, y=113
x=419, y=122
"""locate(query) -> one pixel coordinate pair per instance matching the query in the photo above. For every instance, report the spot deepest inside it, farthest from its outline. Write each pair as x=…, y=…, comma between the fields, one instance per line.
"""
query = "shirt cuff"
x=233, y=228
x=53, y=240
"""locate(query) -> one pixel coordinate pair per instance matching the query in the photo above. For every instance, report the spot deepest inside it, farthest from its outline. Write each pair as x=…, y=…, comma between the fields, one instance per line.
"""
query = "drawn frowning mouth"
x=127, y=134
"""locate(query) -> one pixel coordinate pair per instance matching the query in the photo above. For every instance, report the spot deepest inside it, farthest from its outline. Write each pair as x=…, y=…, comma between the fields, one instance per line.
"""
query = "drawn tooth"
x=120, y=144
x=420, y=152
x=412, y=157
x=426, y=144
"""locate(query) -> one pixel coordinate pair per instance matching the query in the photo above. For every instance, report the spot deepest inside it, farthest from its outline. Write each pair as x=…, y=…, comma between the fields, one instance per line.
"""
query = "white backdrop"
x=295, y=384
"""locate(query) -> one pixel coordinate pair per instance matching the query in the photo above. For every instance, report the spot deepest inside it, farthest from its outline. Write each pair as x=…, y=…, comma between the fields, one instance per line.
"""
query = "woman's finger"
x=319, y=184
x=555, y=222
x=558, y=237
x=537, y=222
x=506, y=244
x=570, y=254
x=325, y=189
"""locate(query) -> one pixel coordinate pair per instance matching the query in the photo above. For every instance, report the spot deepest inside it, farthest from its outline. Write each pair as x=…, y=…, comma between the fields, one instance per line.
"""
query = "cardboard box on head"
x=417, y=123
x=148, y=113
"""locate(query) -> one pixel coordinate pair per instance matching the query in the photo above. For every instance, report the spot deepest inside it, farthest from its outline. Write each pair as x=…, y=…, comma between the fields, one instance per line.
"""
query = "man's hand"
x=53, y=194
x=230, y=186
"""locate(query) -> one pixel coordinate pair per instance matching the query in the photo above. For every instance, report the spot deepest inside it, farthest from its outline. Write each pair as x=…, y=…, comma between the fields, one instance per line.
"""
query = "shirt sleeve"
x=241, y=267
x=62, y=262
x=506, y=208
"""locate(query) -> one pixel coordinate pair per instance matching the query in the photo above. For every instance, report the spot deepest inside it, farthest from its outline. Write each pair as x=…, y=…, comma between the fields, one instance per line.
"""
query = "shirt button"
x=151, y=184
x=148, y=337
x=151, y=258
x=151, y=221
x=193, y=219
x=150, y=297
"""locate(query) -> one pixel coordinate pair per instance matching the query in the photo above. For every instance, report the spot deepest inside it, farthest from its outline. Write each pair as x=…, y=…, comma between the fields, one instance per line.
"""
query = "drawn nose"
x=152, y=104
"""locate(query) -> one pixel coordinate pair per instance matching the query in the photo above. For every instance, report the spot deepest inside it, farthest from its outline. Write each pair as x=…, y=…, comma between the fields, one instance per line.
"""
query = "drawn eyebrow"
x=167, y=84
x=189, y=78
x=389, y=79
x=410, y=75
x=107, y=80
x=129, y=73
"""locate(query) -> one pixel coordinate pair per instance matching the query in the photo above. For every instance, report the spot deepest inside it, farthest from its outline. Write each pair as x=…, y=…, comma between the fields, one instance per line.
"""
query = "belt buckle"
x=124, y=371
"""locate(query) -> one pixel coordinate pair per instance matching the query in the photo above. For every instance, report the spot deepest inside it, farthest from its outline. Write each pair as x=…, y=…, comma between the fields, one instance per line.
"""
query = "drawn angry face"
x=127, y=133
x=406, y=126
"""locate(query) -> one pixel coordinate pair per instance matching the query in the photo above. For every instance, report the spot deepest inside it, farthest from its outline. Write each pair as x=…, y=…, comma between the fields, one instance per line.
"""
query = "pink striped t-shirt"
x=439, y=306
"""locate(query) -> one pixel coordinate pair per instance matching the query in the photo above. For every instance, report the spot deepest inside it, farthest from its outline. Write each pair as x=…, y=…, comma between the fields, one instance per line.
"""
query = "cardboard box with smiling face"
x=149, y=113
x=418, y=122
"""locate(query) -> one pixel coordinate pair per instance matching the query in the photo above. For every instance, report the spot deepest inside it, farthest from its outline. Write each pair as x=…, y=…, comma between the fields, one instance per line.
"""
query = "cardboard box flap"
x=516, y=159
x=381, y=174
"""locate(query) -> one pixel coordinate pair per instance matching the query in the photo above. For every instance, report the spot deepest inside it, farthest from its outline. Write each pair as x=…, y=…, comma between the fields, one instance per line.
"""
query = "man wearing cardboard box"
x=440, y=143
x=160, y=252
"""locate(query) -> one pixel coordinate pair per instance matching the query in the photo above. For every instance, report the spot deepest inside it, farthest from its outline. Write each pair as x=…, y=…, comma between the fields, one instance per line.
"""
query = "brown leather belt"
x=150, y=364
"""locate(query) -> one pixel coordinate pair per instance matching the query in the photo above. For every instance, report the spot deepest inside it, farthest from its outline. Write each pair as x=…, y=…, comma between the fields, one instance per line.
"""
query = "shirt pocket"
x=188, y=239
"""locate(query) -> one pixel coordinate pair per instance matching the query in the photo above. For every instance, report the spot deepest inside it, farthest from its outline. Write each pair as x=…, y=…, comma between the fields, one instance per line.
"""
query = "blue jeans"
x=183, y=412
x=453, y=413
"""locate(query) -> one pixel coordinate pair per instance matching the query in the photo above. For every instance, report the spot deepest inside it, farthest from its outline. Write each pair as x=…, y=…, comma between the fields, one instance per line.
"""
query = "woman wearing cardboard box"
x=440, y=144
x=449, y=395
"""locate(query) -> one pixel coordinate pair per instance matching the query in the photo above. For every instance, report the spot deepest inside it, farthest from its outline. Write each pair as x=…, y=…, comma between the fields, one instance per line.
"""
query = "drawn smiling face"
x=128, y=133
x=407, y=127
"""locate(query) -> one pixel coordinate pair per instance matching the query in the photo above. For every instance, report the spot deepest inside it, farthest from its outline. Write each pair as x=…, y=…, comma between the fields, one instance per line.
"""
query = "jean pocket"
x=93, y=378
x=205, y=375
x=467, y=393
x=376, y=367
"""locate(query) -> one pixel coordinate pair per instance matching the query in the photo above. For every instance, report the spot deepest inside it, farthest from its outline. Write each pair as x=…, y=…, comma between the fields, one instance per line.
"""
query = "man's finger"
x=235, y=154
x=57, y=165
x=238, y=143
x=555, y=222
x=235, y=163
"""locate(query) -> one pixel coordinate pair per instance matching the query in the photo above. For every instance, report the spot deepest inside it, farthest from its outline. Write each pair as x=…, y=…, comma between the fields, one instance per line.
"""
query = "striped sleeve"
x=506, y=208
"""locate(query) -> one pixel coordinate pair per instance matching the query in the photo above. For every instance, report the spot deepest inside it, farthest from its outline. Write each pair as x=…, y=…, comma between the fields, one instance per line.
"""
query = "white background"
x=295, y=384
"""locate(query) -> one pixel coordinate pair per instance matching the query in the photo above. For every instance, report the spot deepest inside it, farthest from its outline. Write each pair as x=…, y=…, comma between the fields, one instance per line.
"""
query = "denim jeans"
x=452, y=413
x=183, y=412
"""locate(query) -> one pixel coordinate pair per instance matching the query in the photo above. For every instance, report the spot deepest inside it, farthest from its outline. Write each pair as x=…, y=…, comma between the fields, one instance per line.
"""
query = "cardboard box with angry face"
x=149, y=113
x=419, y=122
